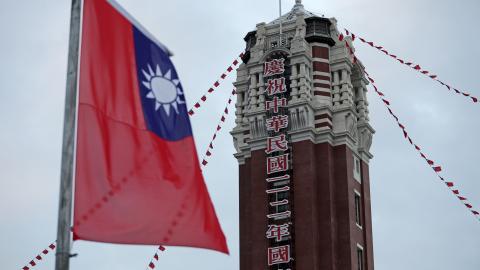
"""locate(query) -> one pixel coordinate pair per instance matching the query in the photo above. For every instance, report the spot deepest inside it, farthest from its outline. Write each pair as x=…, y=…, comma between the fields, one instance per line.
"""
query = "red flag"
x=162, y=248
x=430, y=162
x=468, y=205
x=340, y=37
x=229, y=69
x=437, y=169
x=204, y=98
x=455, y=191
x=151, y=265
x=32, y=263
x=216, y=84
x=25, y=268
x=135, y=147
x=210, y=90
x=475, y=213
x=450, y=184
x=433, y=76
x=474, y=99
x=235, y=62
x=38, y=257
x=462, y=198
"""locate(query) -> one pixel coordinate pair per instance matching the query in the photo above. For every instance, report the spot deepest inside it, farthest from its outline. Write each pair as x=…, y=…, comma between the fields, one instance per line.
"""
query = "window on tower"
x=357, y=169
x=358, y=209
x=360, y=260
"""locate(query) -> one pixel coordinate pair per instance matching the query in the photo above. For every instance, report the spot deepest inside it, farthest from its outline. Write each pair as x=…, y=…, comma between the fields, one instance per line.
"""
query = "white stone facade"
x=325, y=106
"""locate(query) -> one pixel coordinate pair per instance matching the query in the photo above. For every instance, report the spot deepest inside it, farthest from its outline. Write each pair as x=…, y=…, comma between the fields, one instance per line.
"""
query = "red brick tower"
x=302, y=137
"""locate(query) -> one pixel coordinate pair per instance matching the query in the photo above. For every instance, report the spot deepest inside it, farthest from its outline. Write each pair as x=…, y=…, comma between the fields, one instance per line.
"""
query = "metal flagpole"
x=66, y=174
x=280, y=18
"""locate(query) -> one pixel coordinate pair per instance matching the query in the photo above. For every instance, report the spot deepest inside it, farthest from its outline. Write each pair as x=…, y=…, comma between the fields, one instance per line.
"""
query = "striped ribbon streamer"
x=215, y=85
x=40, y=256
x=435, y=167
x=413, y=66
x=208, y=152
x=155, y=258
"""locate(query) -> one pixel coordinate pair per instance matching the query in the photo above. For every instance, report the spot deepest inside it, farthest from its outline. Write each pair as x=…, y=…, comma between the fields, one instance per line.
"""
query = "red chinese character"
x=276, y=103
x=276, y=86
x=277, y=231
x=278, y=203
x=276, y=66
x=280, y=215
x=277, y=122
x=277, y=190
x=280, y=254
x=277, y=143
x=277, y=164
x=279, y=178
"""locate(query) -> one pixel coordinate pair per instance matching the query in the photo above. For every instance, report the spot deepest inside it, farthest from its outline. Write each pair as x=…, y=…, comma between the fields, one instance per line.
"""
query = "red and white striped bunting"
x=412, y=65
x=155, y=258
x=208, y=152
x=40, y=257
x=435, y=167
x=215, y=85
x=432, y=164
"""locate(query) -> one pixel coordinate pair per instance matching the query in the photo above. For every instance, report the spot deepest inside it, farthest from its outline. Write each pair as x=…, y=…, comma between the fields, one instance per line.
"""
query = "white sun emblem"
x=163, y=89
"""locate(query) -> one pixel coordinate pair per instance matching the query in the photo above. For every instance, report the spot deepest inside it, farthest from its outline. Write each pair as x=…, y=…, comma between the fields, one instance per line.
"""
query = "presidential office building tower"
x=302, y=140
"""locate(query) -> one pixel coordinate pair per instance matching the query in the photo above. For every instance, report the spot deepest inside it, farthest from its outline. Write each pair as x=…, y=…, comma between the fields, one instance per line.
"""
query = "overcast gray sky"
x=417, y=223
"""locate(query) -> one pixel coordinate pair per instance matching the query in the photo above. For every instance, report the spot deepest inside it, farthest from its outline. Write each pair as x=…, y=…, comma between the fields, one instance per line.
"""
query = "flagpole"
x=280, y=18
x=66, y=175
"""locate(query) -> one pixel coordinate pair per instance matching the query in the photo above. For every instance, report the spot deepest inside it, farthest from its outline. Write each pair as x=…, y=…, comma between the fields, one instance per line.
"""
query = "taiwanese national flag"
x=138, y=179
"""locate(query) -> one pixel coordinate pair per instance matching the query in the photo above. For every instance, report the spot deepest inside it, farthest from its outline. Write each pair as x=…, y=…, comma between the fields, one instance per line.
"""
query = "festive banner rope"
x=39, y=257
x=197, y=105
x=412, y=65
x=118, y=186
x=435, y=167
x=152, y=265
x=208, y=152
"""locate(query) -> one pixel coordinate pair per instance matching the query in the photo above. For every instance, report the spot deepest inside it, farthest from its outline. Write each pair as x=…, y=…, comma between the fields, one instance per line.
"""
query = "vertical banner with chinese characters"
x=279, y=232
